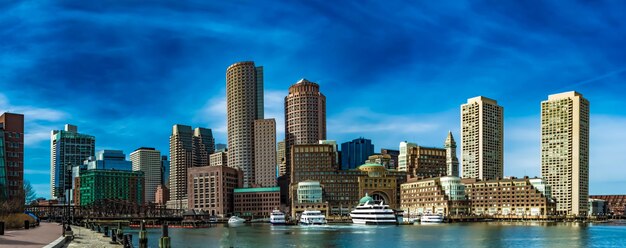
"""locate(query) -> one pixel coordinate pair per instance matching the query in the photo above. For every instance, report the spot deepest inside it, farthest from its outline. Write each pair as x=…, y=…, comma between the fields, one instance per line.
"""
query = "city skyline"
x=381, y=88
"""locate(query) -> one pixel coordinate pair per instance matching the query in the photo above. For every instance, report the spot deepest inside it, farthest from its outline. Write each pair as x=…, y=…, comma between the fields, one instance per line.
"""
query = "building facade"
x=203, y=146
x=244, y=104
x=382, y=159
x=438, y=195
x=68, y=148
x=355, y=152
x=181, y=158
x=281, y=161
x=92, y=186
x=165, y=171
x=219, y=159
x=211, y=189
x=565, y=150
x=393, y=155
x=482, y=139
x=162, y=195
x=265, y=152
x=404, y=158
x=427, y=162
x=452, y=162
x=257, y=202
x=616, y=204
x=148, y=161
x=11, y=156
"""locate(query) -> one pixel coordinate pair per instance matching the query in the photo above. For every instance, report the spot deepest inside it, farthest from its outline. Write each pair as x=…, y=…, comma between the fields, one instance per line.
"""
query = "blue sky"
x=126, y=71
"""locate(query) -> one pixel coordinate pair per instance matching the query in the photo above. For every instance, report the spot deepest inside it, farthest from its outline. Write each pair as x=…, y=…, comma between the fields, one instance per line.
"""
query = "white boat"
x=371, y=212
x=277, y=218
x=431, y=218
x=236, y=220
x=312, y=217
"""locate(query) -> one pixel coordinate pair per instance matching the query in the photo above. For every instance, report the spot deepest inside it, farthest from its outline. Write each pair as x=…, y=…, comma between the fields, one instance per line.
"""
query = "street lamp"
x=68, y=188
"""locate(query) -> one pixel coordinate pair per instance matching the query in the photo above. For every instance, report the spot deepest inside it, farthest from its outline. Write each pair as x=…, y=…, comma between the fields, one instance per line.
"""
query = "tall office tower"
x=265, y=152
x=482, y=138
x=67, y=148
x=393, y=154
x=181, y=158
x=165, y=171
x=148, y=161
x=305, y=116
x=280, y=158
x=404, y=159
x=244, y=104
x=565, y=150
x=11, y=156
x=355, y=152
x=219, y=147
x=203, y=146
x=452, y=161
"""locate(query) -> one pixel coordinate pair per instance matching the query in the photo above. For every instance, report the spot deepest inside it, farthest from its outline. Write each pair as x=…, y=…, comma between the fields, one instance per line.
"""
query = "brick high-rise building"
x=265, y=152
x=565, y=150
x=244, y=104
x=211, y=189
x=11, y=156
x=482, y=139
x=148, y=161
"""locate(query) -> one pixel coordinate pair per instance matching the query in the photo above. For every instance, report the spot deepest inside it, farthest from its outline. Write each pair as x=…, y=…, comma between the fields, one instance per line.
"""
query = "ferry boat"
x=236, y=220
x=371, y=212
x=312, y=217
x=431, y=218
x=277, y=218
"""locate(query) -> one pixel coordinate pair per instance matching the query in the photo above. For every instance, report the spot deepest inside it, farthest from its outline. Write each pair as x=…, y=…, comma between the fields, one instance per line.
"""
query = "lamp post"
x=68, y=188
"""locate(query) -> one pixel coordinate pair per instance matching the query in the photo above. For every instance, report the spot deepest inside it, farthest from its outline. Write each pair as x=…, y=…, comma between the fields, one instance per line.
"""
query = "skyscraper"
x=148, y=161
x=244, y=104
x=482, y=138
x=165, y=172
x=280, y=158
x=11, y=156
x=203, y=146
x=265, y=152
x=181, y=158
x=355, y=152
x=565, y=150
x=305, y=116
x=452, y=161
x=67, y=148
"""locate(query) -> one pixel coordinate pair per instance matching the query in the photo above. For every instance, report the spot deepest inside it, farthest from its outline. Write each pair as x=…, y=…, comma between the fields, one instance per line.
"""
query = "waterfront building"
x=265, y=152
x=93, y=186
x=355, y=152
x=382, y=159
x=244, y=104
x=427, y=162
x=405, y=157
x=68, y=148
x=309, y=197
x=616, y=204
x=305, y=116
x=393, y=154
x=565, y=150
x=256, y=202
x=219, y=159
x=597, y=207
x=342, y=189
x=482, y=139
x=148, y=160
x=203, y=146
x=162, y=195
x=281, y=161
x=165, y=171
x=11, y=156
x=181, y=159
x=211, y=189
x=439, y=195
x=335, y=148
x=452, y=162
x=510, y=198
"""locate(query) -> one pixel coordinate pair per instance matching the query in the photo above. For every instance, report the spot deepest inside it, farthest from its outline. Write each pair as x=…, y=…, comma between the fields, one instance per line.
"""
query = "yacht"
x=312, y=217
x=277, y=218
x=431, y=218
x=371, y=212
x=236, y=220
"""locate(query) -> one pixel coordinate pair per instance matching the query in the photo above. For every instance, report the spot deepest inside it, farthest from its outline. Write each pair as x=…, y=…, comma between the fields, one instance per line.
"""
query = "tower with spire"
x=451, y=160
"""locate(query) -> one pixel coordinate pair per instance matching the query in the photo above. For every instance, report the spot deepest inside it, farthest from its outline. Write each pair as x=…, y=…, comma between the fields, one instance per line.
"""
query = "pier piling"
x=143, y=236
x=164, y=242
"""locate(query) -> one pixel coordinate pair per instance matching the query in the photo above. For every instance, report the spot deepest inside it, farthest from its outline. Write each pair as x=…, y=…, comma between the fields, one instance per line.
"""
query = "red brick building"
x=257, y=202
x=210, y=188
x=617, y=203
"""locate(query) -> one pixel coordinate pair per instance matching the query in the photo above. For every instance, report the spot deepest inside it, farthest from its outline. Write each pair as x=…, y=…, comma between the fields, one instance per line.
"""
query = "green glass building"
x=98, y=185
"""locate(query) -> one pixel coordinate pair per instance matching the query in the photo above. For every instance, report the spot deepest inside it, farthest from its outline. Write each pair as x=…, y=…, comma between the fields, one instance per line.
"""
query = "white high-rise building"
x=148, y=160
x=565, y=150
x=405, y=155
x=482, y=138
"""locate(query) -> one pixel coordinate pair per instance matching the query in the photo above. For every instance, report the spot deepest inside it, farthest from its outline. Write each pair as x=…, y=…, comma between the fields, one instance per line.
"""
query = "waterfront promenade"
x=35, y=237
x=84, y=237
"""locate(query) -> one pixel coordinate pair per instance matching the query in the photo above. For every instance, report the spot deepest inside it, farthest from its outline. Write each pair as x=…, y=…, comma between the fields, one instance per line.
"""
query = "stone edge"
x=58, y=243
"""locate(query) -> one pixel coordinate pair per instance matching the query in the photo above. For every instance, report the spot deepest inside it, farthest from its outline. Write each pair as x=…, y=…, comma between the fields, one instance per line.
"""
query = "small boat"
x=371, y=212
x=277, y=218
x=312, y=217
x=431, y=218
x=236, y=220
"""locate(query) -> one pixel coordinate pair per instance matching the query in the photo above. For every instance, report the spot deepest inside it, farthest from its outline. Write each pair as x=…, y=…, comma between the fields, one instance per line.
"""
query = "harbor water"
x=485, y=234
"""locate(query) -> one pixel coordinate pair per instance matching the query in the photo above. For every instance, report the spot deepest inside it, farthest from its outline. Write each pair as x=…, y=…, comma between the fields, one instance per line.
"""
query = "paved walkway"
x=84, y=237
x=36, y=237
